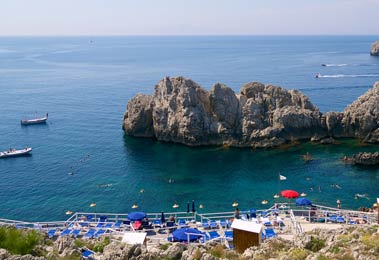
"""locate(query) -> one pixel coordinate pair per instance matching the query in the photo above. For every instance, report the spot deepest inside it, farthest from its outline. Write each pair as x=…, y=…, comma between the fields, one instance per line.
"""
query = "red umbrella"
x=289, y=194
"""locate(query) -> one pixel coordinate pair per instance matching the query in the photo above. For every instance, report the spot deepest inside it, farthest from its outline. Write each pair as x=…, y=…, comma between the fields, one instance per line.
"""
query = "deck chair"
x=340, y=219
x=87, y=254
x=157, y=223
x=117, y=225
x=205, y=225
x=270, y=233
x=109, y=225
x=213, y=224
x=51, y=233
x=137, y=225
x=229, y=235
x=181, y=222
x=223, y=224
x=99, y=233
x=75, y=233
x=89, y=233
x=171, y=226
x=65, y=232
x=213, y=235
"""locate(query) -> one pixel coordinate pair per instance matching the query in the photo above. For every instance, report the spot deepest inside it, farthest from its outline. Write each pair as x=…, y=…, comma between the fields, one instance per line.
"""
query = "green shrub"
x=20, y=242
x=315, y=244
x=79, y=243
x=322, y=257
x=298, y=254
x=217, y=251
x=164, y=246
x=371, y=242
x=99, y=247
x=335, y=250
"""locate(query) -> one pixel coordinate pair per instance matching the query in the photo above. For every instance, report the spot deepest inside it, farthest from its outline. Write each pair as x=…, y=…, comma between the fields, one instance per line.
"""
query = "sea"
x=81, y=156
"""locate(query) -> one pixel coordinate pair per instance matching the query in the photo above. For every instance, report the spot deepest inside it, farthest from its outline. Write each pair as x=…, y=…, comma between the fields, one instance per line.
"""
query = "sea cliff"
x=181, y=111
x=375, y=49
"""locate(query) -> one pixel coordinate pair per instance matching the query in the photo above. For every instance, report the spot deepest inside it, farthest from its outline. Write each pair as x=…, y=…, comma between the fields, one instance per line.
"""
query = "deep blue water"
x=85, y=82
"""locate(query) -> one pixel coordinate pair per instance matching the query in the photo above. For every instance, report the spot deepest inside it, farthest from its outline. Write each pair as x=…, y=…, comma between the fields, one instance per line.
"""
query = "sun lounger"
x=270, y=233
x=213, y=235
x=157, y=223
x=109, y=225
x=51, y=233
x=117, y=225
x=75, y=232
x=89, y=233
x=340, y=219
x=65, y=232
x=87, y=254
x=213, y=224
x=181, y=222
x=223, y=223
x=229, y=234
x=99, y=233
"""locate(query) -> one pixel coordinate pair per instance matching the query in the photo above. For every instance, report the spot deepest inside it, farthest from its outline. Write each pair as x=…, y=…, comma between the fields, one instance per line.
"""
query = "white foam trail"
x=348, y=76
x=335, y=65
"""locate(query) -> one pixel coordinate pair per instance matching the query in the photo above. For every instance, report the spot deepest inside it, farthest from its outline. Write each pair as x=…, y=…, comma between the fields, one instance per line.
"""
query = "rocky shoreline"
x=351, y=242
x=181, y=111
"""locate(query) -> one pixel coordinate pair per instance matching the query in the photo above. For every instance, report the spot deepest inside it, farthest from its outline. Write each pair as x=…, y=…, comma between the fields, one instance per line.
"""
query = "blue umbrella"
x=181, y=235
x=136, y=215
x=188, y=207
x=303, y=202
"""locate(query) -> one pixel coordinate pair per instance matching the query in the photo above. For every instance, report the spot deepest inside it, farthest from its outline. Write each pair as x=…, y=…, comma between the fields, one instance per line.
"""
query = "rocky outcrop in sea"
x=181, y=111
x=366, y=158
x=375, y=49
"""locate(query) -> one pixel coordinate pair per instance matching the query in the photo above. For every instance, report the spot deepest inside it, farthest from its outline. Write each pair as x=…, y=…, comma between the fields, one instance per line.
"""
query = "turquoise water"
x=84, y=83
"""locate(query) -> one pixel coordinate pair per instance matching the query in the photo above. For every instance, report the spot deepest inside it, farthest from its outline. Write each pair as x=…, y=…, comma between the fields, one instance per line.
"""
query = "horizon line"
x=182, y=35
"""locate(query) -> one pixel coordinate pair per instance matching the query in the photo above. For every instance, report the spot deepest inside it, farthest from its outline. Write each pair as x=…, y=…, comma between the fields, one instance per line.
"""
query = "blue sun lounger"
x=117, y=225
x=205, y=225
x=89, y=233
x=270, y=233
x=75, y=232
x=87, y=254
x=51, y=233
x=214, y=235
x=65, y=232
x=229, y=235
x=99, y=233
x=213, y=224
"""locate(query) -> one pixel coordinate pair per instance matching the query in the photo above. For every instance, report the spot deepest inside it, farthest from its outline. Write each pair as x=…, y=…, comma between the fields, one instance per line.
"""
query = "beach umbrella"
x=136, y=215
x=181, y=235
x=193, y=206
x=303, y=202
x=289, y=194
x=163, y=219
x=188, y=207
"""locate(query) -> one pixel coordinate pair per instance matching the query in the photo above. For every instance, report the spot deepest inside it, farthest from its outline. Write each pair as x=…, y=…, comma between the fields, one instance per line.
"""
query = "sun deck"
x=281, y=220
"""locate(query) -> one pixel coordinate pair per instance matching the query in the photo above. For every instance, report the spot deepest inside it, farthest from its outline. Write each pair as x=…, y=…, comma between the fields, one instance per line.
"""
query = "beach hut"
x=246, y=234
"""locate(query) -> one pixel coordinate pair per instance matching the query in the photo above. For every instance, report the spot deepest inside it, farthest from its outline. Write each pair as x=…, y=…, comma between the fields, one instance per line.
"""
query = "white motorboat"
x=13, y=152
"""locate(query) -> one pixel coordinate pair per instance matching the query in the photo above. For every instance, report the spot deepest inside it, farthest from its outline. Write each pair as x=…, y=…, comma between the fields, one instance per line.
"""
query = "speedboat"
x=13, y=152
x=318, y=75
x=33, y=121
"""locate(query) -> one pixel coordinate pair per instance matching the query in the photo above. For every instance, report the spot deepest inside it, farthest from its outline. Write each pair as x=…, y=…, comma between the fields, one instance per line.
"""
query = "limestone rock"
x=366, y=158
x=175, y=251
x=375, y=49
x=181, y=111
x=138, y=120
x=4, y=254
x=361, y=118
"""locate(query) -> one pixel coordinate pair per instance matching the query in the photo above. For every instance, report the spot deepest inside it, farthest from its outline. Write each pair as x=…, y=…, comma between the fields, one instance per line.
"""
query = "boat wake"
x=335, y=65
x=347, y=76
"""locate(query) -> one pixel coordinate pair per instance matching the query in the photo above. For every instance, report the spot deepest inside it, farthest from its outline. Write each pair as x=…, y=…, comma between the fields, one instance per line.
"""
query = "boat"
x=282, y=177
x=13, y=152
x=34, y=121
x=318, y=75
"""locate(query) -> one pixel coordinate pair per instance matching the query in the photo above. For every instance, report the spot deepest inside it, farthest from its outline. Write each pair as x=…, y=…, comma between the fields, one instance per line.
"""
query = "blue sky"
x=188, y=17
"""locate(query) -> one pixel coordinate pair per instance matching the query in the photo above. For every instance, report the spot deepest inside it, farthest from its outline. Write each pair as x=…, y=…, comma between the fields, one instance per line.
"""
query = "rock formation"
x=375, y=49
x=181, y=111
x=366, y=159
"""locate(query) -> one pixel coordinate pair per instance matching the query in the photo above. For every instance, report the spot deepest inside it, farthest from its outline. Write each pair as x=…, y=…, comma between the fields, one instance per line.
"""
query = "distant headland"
x=181, y=111
x=375, y=49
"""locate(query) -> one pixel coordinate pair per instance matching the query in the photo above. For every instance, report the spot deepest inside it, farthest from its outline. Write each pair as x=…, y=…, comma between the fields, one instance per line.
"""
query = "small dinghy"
x=34, y=121
x=13, y=152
